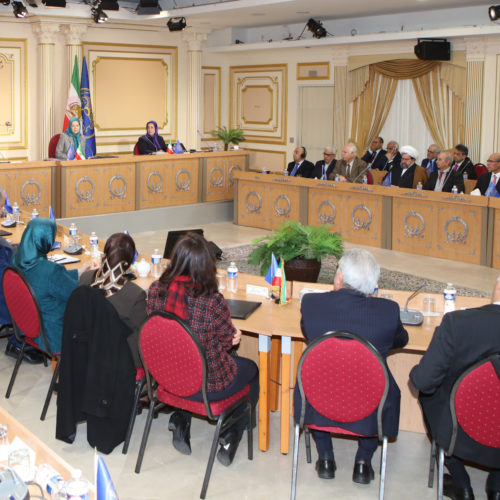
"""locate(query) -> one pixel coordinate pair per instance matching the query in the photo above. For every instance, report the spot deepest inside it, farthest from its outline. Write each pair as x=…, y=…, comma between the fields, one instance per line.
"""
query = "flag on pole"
x=271, y=273
x=104, y=487
x=73, y=105
x=7, y=204
x=87, y=116
x=283, y=299
x=170, y=151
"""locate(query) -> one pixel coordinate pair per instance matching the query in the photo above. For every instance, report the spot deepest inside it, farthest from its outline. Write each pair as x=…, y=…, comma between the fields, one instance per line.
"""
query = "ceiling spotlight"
x=148, y=7
x=176, y=23
x=54, y=3
x=98, y=15
x=109, y=5
x=494, y=12
x=19, y=9
x=5, y=2
x=316, y=28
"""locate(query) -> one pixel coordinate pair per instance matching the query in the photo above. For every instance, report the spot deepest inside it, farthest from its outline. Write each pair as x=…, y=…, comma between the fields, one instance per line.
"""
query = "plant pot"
x=302, y=270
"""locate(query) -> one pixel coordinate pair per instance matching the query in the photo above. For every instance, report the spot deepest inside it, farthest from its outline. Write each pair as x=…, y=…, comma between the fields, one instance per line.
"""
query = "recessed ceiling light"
x=302, y=12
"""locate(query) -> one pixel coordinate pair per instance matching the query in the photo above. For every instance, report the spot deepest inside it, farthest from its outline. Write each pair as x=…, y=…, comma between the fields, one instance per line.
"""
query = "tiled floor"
x=166, y=474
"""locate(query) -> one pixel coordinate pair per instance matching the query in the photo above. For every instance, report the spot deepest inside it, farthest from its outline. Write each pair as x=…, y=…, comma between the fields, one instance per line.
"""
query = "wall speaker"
x=433, y=49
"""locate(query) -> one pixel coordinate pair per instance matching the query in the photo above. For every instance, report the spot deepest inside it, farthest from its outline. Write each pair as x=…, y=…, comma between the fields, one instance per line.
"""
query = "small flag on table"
x=51, y=213
x=178, y=148
x=271, y=273
x=7, y=204
x=79, y=154
x=70, y=155
x=104, y=487
x=387, y=179
x=170, y=150
x=283, y=298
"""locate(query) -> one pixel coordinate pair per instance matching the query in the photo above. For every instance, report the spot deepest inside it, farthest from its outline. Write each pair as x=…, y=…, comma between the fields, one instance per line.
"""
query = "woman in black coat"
x=151, y=142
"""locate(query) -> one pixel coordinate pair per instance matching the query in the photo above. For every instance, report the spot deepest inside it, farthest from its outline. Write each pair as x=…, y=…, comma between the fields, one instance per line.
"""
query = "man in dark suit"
x=463, y=338
x=375, y=156
x=430, y=163
x=463, y=163
x=350, y=168
x=300, y=167
x=324, y=167
x=445, y=178
x=488, y=183
x=409, y=174
x=352, y=308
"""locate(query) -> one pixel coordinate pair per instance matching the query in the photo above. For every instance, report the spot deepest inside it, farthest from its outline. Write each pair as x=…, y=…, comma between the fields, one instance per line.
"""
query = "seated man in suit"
x=462, y=338
x=352, y=307
x=375, y=156
x=463, y=163
x=409, y=174
x=300, y=167
x=445, y=178
x=488, y=183
x=324, y=167
x=350, y=168
x=430, y=163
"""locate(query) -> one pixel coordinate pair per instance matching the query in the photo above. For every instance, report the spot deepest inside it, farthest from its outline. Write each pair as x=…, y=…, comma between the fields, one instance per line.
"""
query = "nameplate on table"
x=263, y=291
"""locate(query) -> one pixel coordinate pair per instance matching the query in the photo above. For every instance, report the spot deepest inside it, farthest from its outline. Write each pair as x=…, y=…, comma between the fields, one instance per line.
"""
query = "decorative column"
x=340, y=98
x=46, y=34
x=475, y=55
x=73, y=34
x=194, y=41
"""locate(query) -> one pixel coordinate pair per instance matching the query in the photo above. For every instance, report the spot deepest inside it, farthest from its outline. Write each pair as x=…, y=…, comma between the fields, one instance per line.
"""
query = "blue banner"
x=87, y=117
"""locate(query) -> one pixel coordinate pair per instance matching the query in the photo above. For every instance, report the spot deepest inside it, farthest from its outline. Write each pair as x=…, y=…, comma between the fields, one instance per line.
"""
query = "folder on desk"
x=241, y=309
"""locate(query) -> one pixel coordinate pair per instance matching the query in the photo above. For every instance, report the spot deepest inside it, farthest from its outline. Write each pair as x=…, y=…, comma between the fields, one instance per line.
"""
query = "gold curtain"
x=404, y=69
x=371, y=108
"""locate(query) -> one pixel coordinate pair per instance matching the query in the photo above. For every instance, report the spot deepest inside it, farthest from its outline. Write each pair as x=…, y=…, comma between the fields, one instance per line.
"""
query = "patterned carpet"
x=392, y=280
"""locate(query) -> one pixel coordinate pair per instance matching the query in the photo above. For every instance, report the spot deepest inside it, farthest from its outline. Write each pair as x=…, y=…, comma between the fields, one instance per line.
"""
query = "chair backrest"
x=22, y=304
x=480, y=169
x=136, y=149
x=475, y=403
x=343, y=377
x=173, y=355
x=53, y=145
x=378, y=175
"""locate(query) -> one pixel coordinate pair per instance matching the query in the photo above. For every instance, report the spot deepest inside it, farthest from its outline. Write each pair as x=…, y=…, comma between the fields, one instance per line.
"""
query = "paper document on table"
x=63, y=259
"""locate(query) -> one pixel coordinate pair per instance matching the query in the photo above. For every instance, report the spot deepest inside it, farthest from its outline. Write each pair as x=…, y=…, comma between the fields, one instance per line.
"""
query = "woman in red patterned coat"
x=189, y=289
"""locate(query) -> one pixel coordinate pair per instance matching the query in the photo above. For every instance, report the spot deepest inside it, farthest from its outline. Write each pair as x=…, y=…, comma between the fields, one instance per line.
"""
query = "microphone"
x=412, y=316
x=362, y=173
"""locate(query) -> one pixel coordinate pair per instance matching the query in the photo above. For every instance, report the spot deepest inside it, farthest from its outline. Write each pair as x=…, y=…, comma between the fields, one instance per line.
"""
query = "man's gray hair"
x=333, y=148
x=360, y=270
x=447, y=156
x=395, y=143
x=352, y=147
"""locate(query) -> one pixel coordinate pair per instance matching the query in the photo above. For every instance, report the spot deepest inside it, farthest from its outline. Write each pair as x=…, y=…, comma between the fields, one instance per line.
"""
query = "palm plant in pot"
x=301, y=247
x=229, y=136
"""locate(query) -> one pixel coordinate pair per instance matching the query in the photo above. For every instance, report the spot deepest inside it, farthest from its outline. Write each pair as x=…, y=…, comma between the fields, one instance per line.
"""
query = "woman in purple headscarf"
x=151, y=142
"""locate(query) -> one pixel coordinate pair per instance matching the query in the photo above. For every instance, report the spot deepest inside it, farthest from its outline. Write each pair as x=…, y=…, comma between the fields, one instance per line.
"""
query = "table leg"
x=274, y=374
x=298, y=347
x=286, y=351
x=264, y=350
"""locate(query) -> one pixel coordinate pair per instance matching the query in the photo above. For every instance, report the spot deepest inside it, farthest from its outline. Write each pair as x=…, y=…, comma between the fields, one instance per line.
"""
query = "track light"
x=176, y=23
x=109, y=5
x=494, y=12
x=5, y=2
x=98, y=15
x=316, y=28
x=148, y=7
x=19, y=9
x=54, y=3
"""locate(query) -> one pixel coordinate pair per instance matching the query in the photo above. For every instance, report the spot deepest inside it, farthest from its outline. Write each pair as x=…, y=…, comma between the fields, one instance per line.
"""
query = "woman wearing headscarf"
x=127, y=298
x=151, y=142
x=70, y=137
x=51, y=282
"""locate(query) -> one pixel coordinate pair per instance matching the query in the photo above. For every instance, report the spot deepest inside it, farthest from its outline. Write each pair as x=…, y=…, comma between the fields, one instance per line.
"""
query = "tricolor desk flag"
x=73, y=105
x=7, y=204
x=271, y=273
x=170, y=150
x=283, y=297
x=104, y=487
x=87, y=117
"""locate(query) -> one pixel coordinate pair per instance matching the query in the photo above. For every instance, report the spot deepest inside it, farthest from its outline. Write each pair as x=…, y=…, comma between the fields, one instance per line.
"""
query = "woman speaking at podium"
x=151, y=142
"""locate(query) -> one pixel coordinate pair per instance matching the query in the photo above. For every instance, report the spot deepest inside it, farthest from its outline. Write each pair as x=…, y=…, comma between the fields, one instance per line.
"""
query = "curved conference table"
x=273, y=338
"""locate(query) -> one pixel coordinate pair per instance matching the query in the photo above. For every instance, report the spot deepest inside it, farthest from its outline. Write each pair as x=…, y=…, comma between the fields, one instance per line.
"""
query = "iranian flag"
x=170, y=149
x=74, y=105
x=79, y=154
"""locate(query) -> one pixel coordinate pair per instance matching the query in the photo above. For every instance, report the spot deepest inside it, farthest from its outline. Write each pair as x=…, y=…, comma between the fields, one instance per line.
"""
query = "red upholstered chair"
x=344, y=378
x=480, y=169
x=53, y=145
x=475, y=411
x=176, y=369
x=26, y=319
x=136, y=149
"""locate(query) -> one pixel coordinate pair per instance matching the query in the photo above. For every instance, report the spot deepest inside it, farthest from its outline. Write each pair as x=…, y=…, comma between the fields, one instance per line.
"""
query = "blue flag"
x=7, y=204
x=178, y=148
x=104, y=487
x=387, y=179
x=271, y=273
x=136, y=252
x=51, y=213
x=87, y=116
x=70, y=155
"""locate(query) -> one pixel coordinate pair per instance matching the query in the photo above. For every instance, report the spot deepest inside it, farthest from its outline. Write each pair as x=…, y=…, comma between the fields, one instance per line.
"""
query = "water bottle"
x=337, y=178
x=15, y=212
x=454, y=190
x=73, y=232
x=34, y=214
x=51, y=481
x=450, y=295
x=465, y=176
x=232, y=278
x=215, y=148
x=365, y=179
x=95, y=255
x=419, y=185
x=156, y=264
x=77, y=488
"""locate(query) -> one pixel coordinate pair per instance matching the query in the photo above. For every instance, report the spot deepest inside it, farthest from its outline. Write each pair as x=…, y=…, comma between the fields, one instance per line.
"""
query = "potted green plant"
x=301, y=247
x=229, y=136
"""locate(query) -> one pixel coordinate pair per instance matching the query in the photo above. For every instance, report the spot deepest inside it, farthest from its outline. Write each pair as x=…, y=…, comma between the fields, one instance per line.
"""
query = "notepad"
x=63, y=259
x=241, y=309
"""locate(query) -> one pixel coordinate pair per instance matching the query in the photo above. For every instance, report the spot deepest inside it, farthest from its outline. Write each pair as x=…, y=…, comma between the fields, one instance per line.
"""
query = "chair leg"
x=440, y=473
x=432, y=465
x=383, y=462
x=138, y=390
x=250, y=434
x=211, y=457
x=308, y=445
x=295, y=461
x=51, y=390
x=16, y=368
x=145, y=436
